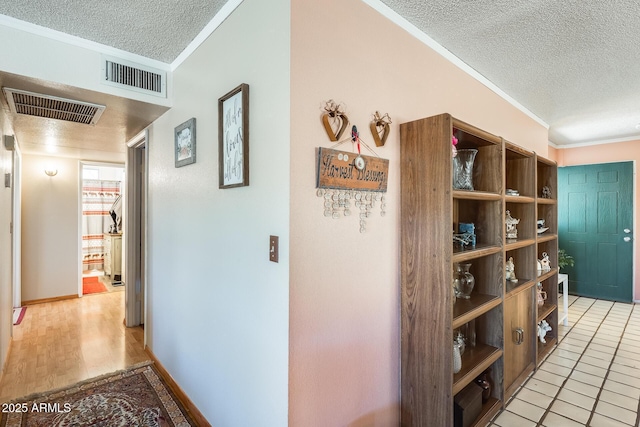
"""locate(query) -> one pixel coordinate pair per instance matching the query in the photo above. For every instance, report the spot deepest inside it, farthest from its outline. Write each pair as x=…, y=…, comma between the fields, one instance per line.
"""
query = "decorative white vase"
x=457, y=358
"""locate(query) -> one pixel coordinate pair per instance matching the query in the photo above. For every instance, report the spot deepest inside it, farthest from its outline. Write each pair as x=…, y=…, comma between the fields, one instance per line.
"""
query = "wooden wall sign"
x=338, y=170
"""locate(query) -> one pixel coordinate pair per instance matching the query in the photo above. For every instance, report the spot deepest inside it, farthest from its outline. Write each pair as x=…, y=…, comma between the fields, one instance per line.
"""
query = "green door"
x=595, y=226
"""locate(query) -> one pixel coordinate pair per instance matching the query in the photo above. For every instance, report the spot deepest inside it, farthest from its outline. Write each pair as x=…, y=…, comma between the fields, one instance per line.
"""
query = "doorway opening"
x=102, y=187
x=136, y=239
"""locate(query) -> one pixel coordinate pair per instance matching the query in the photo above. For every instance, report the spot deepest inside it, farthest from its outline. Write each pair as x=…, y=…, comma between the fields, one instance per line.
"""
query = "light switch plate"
x=273, y=248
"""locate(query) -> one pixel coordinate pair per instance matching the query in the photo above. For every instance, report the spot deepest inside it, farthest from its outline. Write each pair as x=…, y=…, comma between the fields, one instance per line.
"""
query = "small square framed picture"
x=185, y=143
x=233, y=135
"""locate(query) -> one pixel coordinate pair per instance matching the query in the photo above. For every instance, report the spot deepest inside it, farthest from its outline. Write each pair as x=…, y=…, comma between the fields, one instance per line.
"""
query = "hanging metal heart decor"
x=340, y=124
x=380, y=128
x=335, y=121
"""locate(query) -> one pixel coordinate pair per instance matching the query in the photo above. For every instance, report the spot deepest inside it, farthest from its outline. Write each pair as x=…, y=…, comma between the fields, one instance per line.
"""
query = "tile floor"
x=592, y=378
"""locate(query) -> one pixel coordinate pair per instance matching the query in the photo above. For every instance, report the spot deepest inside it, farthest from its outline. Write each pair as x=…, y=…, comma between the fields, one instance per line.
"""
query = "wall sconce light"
x=51, y=171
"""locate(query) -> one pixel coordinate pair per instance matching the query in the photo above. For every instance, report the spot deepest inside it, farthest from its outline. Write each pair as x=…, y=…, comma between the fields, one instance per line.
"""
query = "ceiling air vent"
x=124, y=74
x=52, y=107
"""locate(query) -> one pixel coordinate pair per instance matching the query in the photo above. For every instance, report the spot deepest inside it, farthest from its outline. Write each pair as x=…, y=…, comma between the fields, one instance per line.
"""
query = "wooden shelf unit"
x=519, y=330
x=430, y=210
x=547, y=209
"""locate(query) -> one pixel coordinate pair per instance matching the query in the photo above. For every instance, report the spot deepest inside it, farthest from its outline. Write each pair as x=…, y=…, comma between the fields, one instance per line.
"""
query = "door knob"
x=627, y=231
x=627, y=239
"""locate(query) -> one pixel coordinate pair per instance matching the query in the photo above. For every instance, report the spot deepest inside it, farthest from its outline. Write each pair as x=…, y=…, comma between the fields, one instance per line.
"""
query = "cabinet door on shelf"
x=519, y=356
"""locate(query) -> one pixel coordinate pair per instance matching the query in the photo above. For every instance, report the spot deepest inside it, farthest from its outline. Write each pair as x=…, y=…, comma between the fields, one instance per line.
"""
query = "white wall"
x=41, y=57
x=49, y=228
x=217, y=308
x=6, y=293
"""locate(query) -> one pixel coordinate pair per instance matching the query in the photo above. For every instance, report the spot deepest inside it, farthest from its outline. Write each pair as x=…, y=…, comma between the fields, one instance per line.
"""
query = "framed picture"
x=233, y=135
x=185, y=143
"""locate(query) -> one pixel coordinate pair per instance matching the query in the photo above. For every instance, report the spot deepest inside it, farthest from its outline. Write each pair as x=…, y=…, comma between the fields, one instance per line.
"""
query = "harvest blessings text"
x=336, y=173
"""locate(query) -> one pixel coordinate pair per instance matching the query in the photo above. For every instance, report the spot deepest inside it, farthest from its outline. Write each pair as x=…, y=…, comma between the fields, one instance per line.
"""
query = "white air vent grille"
x=52, y=107
x=117, y=72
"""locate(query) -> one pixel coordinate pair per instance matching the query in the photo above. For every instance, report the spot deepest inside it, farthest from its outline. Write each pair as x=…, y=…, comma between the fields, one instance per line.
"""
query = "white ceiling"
x=573, y=64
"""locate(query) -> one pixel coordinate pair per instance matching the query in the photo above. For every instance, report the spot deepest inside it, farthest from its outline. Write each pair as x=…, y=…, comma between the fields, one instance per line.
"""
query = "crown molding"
x=592, y=143
x=217, y=20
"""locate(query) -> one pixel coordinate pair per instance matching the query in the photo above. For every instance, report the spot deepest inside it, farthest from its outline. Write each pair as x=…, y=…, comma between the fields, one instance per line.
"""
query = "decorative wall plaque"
x=343, y=170
x=346, y=178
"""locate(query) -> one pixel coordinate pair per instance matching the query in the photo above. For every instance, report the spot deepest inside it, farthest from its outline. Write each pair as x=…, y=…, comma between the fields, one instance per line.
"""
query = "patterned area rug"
x=133, y=397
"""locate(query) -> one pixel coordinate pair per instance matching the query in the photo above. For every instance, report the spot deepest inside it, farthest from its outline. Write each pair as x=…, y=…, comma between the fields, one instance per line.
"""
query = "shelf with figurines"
x=546, y=221
x=547, y=258
x=547, y=334
x=521, y=278
x=474, y=225
x=547, y=181
x=475, y=348
x=519, y=230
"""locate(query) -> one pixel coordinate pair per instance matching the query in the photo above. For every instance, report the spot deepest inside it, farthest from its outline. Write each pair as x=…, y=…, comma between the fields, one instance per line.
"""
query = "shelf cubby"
x=482, y=214
x=475, y=361
x=549, y=213
x=550, y=246
x=487, y=171
x=546, y=176
x=552, y=336
x=525, y=271
x=519, y=168
x=525, y=212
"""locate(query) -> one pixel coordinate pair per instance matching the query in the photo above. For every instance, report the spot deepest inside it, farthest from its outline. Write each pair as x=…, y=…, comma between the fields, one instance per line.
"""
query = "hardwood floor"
x=63, y=342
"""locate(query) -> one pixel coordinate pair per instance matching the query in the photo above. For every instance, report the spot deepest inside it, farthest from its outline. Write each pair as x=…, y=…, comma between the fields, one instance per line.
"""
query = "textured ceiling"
x=156, y=29
x=575, y=64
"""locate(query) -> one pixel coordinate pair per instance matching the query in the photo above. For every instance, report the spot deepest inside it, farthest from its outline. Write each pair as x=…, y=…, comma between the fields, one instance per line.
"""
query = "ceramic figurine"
x=484, y=381
x=542, y=295
x=468, y=228
x=546, y=192
x=543, y=328
x=457, y=358
x=510, y=271
x=461, y=342
x=544, y=263
x=510, y=224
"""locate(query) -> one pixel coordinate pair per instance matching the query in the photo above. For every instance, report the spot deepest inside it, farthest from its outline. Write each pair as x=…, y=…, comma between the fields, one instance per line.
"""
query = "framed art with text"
x=233, y=136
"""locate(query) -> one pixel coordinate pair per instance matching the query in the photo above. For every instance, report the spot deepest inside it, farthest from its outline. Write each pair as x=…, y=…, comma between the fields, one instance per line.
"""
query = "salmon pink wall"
x=608, y=153
x=552, y=153
x=344, y=311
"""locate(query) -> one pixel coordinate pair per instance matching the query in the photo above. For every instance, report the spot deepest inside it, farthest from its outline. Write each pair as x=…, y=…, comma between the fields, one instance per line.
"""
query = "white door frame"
x=136, y=197
x=16, y=226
